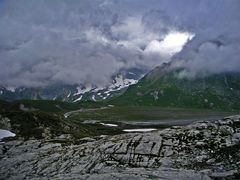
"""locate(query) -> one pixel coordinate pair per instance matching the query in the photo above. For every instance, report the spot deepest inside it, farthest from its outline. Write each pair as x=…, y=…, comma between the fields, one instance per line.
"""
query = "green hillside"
x=163, y=87
x=41, y=119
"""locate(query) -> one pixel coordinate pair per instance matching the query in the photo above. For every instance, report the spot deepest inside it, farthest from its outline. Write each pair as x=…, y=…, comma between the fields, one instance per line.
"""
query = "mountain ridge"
x=164, y=86
x=71, y=93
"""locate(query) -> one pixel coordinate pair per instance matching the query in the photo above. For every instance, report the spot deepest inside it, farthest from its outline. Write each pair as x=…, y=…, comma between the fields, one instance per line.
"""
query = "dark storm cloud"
x=216, y=46
x=44, y=42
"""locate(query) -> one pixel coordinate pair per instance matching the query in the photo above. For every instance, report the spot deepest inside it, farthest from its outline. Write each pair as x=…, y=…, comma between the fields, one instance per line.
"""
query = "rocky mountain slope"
x=204, y=150
x=166, y=86
x=74, y=93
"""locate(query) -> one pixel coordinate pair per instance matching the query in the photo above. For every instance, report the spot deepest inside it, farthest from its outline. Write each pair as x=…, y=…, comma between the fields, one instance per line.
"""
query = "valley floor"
x=130, y=113
x=117, y=120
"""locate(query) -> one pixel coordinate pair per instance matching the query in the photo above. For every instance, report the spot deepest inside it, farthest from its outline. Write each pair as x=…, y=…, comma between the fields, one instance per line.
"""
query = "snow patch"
x=140, y=130
x=78, y=99
x=69, y=95
x=9, y=88
x=97, y=89
x=6, y=133
x=81, y=90
x=93, y=98
x=120, y=83
x=110, y=125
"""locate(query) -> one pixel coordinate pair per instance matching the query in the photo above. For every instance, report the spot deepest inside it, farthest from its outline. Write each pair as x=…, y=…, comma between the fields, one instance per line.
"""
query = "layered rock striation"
x=203, y=150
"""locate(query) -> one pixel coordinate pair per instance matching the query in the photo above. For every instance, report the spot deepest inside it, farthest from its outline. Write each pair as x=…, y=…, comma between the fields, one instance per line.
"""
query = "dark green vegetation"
x=45, y=119
x=36, y=124
x=49, y=105
x=146, y=113
x=163, y=87
x=40, y=119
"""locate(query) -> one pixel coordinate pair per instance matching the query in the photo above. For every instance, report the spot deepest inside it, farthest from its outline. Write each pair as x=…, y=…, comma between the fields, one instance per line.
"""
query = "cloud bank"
x=45, y=42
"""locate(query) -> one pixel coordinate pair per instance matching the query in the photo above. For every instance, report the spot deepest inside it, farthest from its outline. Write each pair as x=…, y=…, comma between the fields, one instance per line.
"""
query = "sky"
x=88, y=41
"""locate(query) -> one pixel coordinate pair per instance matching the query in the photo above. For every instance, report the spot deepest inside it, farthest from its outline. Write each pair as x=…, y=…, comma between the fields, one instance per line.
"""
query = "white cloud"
x=172, y=43
x=45, y=42
x=211, y=57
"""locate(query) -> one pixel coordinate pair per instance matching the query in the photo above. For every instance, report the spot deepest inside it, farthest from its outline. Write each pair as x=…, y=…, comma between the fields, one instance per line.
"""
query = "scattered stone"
x=202, y=150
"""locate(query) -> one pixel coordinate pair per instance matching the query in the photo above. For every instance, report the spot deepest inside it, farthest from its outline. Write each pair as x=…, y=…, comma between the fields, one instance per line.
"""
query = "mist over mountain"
x=87, y=42
x=166, y=86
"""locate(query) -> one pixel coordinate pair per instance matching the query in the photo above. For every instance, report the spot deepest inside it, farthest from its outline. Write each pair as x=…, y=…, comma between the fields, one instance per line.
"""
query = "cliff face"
x=201, y=150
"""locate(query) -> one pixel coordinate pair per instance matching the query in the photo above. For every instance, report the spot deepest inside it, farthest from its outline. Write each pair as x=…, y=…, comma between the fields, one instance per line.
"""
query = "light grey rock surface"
x=203, y=150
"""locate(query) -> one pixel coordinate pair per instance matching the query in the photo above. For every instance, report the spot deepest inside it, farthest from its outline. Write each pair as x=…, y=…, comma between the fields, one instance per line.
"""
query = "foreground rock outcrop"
x=205, y=150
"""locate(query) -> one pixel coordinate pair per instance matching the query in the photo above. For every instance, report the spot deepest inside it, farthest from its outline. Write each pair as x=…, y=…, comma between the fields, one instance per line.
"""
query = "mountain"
x=165, y=86
x=77, y=92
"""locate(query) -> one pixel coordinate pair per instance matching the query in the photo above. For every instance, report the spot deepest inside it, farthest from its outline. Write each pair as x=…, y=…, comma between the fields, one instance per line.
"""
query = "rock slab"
x=204, y=150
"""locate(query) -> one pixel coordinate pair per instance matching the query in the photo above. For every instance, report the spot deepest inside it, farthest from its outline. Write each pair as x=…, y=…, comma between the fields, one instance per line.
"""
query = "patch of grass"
x=147, y=113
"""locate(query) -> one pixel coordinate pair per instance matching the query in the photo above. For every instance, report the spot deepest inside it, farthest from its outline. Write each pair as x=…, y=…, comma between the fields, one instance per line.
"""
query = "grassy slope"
x=219, y=92
x=28, y=124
